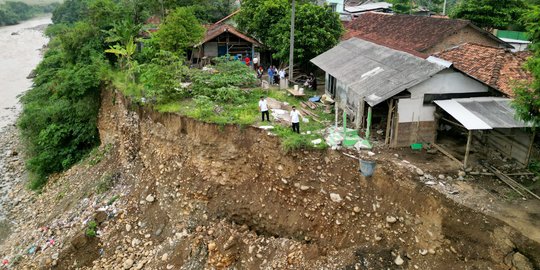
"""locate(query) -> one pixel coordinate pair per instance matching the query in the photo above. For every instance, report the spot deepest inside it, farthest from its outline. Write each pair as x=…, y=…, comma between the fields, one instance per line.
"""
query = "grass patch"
x=91, y=228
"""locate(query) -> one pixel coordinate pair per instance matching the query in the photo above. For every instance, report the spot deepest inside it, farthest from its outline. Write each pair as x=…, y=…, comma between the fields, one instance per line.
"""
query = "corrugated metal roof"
x=373, y=71
x=482, y=113
x=368, y=7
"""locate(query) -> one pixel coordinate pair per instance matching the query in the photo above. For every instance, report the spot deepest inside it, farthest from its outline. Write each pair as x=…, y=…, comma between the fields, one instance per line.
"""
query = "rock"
x=211, y=246
x=430, y=183
x=100, y=217
x=356, y=209
x=79, y=241
x=304, y=187
x=150, y=198
x=399, y=260
x=280, y=168
x=441, y=176
x=423, y=252
x=461, y=174
x=128, y=264
x=164, y=257
x=128, y=227
x=419, y=171
x=391, y=219
x=335, y=197
x=520, y=262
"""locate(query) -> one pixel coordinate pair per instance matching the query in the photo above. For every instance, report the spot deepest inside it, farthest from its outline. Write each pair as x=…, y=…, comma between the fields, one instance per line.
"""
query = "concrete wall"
x=465, y=35
x=445, y=82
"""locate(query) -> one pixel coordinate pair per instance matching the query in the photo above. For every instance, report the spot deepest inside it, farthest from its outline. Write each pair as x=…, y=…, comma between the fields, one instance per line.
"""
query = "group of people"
x=274, y=75
x=294, y=114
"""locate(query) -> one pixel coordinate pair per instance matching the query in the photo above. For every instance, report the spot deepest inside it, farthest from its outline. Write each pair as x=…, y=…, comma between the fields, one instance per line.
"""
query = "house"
x=336, y=5
x=224, y=39
x=498, y=68
x=519, y=40
x=399, y=87
x=422, y=34
x=369, y=7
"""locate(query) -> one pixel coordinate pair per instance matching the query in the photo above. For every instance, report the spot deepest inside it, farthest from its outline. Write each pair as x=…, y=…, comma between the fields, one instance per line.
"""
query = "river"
x=20, y=52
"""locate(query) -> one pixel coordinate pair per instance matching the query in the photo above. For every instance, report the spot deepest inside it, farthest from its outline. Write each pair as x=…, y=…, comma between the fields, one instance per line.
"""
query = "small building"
x=224, y=39
x=398, y=86
x=498, y=68
x=422, y=34
x=519, y=40
x=369, y=7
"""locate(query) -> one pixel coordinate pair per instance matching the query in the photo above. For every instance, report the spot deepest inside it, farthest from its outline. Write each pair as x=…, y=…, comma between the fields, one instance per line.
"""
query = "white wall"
x=444, y=82
x=340, y=8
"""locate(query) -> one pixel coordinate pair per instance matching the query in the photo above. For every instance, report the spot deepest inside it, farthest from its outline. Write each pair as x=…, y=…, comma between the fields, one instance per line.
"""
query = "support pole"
x=467, y=150
x=389, y=122
x=368, y=127
x=291, y=41
x=361, y=107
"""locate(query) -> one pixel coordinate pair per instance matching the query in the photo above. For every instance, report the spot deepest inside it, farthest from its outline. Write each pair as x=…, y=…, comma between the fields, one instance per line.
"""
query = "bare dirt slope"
x=169, y=192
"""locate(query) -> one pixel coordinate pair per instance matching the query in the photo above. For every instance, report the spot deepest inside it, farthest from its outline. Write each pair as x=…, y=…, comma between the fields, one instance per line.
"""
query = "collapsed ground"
x=169, y=192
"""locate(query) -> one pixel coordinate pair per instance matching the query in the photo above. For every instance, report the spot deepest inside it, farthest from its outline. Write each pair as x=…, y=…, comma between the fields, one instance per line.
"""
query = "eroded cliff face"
x=192, y=195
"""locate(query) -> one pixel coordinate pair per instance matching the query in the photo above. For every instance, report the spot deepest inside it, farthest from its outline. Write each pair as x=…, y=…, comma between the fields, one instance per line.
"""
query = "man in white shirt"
x=263, y=108
x=295, y=120
x=256, y=63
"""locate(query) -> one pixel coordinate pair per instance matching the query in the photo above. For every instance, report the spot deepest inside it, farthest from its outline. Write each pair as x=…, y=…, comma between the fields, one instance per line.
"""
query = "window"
x=331, y=85
x=333, y=6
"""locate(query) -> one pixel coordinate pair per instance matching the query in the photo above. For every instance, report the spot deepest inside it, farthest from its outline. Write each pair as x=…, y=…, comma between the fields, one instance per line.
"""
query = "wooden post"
x=530, y=149
x=467, y=150
x=396, y=128
x=389, y=122
x=360, y=114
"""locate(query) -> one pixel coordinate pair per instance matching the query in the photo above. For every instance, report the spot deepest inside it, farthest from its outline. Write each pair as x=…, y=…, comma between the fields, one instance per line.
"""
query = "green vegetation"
x=180, y=30
x=490, y=14
x=12, y=12
x=317, y=28
x=91, y=229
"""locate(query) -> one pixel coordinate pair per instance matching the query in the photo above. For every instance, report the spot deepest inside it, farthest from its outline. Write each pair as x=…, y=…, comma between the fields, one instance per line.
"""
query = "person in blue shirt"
x=270, y=75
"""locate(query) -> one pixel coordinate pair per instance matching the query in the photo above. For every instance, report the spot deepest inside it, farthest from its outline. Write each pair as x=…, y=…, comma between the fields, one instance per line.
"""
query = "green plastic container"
x=416, y=146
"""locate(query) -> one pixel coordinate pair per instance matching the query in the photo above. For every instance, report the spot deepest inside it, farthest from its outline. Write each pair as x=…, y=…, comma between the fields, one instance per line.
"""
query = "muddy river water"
x=20, y=52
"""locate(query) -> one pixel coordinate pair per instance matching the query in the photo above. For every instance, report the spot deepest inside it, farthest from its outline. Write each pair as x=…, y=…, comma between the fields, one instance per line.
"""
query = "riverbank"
x=13, y=178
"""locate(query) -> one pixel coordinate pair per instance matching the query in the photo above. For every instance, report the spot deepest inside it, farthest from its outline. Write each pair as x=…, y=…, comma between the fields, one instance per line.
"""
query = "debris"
x=335, y=197
x=391, y=219
x=316, y=142
x=398, y=260
x=150, y=198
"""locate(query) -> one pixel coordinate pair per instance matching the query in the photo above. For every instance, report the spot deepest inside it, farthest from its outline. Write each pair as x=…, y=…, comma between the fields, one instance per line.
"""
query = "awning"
x=482, y=113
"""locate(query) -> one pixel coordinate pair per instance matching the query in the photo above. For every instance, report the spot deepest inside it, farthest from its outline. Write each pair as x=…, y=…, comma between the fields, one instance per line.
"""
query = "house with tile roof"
x=499, y=68
x=426, y=35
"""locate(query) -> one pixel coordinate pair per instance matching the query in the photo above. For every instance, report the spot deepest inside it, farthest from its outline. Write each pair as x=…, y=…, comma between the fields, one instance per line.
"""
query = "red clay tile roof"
x=417, y=33
x=496, y=67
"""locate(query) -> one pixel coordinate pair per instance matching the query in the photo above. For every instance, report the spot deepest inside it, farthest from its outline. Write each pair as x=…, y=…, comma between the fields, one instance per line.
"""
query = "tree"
x=527, y=99
x=317, y=28
x=180, y=30
x=490, y=14
x=402, y=6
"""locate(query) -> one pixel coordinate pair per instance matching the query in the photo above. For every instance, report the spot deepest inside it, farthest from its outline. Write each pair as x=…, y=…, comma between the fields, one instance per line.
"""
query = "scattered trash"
x=315, y=99
x=317, y=141
x=32, y=250
x=266, y=127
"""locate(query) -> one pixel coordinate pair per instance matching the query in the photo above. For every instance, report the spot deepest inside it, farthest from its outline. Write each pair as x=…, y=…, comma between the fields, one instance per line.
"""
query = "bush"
x=162, y=77
x=91, y=228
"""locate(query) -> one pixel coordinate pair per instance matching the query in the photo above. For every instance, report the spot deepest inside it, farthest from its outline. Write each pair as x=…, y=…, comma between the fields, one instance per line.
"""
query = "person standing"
x=260, y=72
x=271, y=75
x=295, y=119
x=256, y=63
x=247, y=60
x=263, y=108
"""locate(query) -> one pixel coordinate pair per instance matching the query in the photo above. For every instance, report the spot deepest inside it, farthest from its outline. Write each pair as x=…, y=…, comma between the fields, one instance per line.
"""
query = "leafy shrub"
x=91, y=228
x=162, y=77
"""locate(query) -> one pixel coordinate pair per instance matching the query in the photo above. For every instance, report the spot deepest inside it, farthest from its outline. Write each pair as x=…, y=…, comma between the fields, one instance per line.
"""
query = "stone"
x=280, y=168
x=461, y=174
x=520, y=262
x=100, y=217
x=391, y=219
x=423, y=252
x=335, y=197
x=164, y=257
x=441, y=176
x=150, y=198
x=399, y=260
x=128, y=227
x=128, y=264
x=211, y=246
x=304, y=187
x=419, y=171
x=356, y=209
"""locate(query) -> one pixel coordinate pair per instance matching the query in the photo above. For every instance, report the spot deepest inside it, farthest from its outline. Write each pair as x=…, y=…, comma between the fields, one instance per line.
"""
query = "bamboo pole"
x=389, y=122
x=467, y=150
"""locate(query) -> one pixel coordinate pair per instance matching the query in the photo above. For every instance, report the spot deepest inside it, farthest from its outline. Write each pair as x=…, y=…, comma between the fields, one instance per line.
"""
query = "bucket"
x=367, y=167
x=416, y=146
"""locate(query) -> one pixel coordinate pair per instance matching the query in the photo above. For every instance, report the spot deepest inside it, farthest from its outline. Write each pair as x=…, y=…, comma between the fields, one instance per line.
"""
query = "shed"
x=224, y=39
x=398, y=85
x=493, y=121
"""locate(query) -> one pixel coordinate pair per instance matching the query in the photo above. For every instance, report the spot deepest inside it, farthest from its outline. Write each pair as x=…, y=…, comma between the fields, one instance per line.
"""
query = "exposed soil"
x=199, y=196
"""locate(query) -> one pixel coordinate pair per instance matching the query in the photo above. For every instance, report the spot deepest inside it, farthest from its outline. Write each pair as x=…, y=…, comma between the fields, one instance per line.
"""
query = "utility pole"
x=291, y=49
